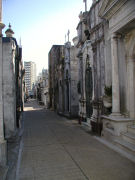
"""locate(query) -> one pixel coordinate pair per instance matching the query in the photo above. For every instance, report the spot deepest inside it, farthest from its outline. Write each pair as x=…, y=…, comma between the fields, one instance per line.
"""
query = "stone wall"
x=9, y=86
x=63, y=79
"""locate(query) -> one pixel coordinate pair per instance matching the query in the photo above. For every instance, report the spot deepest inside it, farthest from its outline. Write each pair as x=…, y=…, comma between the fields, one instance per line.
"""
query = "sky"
x=40, y=24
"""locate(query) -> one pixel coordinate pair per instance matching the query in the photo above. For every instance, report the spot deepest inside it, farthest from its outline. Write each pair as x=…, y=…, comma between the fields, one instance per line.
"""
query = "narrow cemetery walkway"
x=54, y=148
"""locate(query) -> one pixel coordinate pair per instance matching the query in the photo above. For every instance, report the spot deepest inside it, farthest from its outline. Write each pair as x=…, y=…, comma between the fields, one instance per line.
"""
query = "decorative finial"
x=9, y=26
x=9, y=32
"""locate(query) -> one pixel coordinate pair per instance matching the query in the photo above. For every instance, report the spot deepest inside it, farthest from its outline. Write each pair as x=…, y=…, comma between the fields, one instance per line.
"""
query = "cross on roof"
x=65, y=38
x=85, y=1
x=68, y=35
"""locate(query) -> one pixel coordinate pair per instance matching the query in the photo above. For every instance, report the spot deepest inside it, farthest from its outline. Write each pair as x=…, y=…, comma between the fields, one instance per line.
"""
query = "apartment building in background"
x=30, y=75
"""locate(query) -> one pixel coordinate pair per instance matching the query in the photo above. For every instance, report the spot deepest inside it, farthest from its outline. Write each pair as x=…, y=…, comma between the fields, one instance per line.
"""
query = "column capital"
x=130, y=58
x=116, y=36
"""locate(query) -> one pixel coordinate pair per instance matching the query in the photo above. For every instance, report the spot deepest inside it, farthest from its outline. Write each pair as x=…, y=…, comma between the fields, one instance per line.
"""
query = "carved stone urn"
x=107, y=98
x=107, y=101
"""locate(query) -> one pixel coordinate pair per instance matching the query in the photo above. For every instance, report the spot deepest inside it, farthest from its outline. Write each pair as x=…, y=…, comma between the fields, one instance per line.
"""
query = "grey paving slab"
x=55, y=148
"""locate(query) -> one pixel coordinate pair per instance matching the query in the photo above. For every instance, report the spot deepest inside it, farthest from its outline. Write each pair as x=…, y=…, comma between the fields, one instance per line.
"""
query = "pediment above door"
x=110, y=7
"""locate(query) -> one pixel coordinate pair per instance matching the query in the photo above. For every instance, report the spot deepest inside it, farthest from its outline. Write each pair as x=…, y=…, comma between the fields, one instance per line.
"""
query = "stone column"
x=3, y=148
x=115, y=76
x=95, y=87
x=131, y=85
x=84, y=87
x=81, y=82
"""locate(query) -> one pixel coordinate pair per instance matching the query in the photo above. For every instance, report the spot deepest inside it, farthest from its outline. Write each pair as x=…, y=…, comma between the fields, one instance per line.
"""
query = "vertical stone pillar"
x=95, y=87
x=1, y=98
x=3, y=148
x=130, y=59
x=69, y=75
x=81, y=82
x=83, y=96
x=94, y=117
x=81, y=72
x=84, y=89
x=131, y=85
x=115, y=76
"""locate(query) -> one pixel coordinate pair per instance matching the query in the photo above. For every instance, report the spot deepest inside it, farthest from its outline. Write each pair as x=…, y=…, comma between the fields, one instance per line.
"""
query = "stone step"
x=129, y=137
x=126, y=146
x=131, y=129
x=118, y=148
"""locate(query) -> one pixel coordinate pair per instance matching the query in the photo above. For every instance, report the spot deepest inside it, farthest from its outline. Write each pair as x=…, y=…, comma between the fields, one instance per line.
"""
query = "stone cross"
x=85, y=1
x=20, y=42
x=68, y=35
x=65, y=38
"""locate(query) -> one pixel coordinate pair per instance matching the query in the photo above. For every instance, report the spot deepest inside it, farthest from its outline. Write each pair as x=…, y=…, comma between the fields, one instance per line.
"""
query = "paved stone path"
x=55, y=148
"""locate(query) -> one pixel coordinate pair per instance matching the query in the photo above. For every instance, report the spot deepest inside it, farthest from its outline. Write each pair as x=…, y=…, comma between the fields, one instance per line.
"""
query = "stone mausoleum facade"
x=90, y=45
x=106, y=51
x=63, y=78
x=11, y=89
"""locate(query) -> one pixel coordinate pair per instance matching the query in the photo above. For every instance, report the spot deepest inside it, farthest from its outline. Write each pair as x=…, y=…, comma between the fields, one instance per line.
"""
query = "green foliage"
x=62, y=57
x=108, y=90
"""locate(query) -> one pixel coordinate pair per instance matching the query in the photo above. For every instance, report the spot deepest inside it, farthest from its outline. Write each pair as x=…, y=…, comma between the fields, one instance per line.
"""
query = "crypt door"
x=88, y=88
